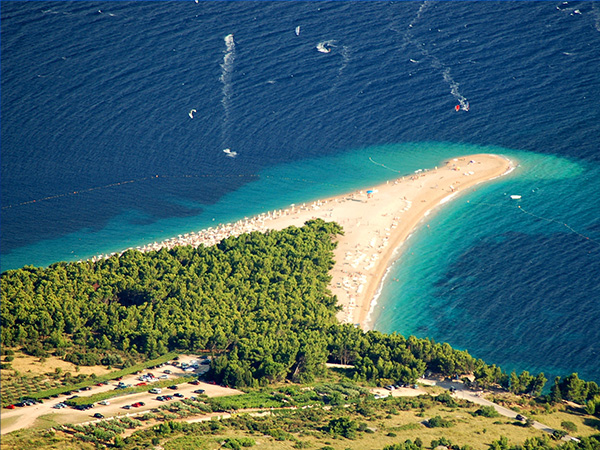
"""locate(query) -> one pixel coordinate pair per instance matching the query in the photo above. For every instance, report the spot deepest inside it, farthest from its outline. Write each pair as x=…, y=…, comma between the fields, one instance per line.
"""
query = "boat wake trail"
x=435, y=62
x=345, y=52
x=345, y=59
x=464, y=104
x=227, y=90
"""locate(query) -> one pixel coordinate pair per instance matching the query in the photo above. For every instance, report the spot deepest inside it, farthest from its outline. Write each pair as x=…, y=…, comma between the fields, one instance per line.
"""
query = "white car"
x=104, y=403
x=155, y=390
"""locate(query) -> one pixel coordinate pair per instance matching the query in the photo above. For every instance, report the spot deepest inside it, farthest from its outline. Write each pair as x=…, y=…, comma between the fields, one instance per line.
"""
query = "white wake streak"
x=435, y=61
x=227, y=89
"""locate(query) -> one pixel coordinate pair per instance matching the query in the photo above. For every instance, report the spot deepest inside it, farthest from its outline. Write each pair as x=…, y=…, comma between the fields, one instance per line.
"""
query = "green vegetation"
x=487, y=411
x=358, y=422
x=574, y=389
x=259, y=304
x=259, y=301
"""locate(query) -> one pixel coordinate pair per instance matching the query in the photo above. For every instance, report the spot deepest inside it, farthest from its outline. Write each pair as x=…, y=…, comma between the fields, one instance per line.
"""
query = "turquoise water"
x=513, y=281
x=510, y=280
x=274, y=188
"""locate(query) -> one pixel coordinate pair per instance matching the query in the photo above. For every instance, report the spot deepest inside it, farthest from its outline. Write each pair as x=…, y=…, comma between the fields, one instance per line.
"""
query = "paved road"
x=460, y=391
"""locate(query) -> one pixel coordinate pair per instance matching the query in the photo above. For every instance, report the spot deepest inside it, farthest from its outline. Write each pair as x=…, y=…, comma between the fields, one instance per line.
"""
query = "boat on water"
x=323, y=47
x=515, y=197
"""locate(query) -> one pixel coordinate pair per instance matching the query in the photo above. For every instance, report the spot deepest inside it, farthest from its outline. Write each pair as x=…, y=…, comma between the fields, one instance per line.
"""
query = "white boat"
x=322, y=47
x=515, y=197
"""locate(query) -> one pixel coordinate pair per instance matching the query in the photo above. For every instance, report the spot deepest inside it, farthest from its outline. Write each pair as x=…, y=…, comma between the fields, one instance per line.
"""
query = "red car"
x=142, y=384
x=10, y=407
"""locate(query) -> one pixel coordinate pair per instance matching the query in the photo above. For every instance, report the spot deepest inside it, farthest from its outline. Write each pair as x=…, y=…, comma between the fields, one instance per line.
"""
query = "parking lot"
x=25, y=416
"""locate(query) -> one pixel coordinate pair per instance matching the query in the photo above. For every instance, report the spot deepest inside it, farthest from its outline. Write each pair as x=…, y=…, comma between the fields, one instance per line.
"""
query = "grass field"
x=377, y=422
x=385, y=426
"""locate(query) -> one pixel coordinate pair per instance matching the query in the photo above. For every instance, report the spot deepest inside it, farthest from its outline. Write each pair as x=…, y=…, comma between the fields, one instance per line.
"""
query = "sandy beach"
x=376, y=221
x=376, y=224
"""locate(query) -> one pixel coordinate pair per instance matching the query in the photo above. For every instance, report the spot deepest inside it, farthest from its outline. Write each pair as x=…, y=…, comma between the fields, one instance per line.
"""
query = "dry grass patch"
x=582, y=421
x=32, y=365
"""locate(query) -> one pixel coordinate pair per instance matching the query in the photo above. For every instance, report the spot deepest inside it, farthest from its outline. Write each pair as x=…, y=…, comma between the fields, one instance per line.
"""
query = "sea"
x=125, y=123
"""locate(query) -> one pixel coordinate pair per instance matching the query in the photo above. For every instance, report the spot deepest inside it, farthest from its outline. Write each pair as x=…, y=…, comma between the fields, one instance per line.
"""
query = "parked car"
x=199, y=391
x=104, y=403
x=127, y=407
x=178, y=395
x=173, y=386
x=195, y=382
x=155, y=390
x=167, y=371
x=10, y=407
x=99, y=416
x=83, y=407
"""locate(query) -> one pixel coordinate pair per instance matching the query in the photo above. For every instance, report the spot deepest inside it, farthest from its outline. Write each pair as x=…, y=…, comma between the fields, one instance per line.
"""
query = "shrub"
x=343, y=426
x=569, y=426
x=558, y=434
x=487, y=411
x=438, y=422
x=238, y=443
x=444, y=442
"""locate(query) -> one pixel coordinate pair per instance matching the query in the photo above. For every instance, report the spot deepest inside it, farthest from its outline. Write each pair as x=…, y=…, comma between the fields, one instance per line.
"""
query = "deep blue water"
x=99, y=152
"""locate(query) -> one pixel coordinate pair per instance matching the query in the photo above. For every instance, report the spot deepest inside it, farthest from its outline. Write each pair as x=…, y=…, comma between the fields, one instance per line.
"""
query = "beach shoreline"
x=376, y=221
